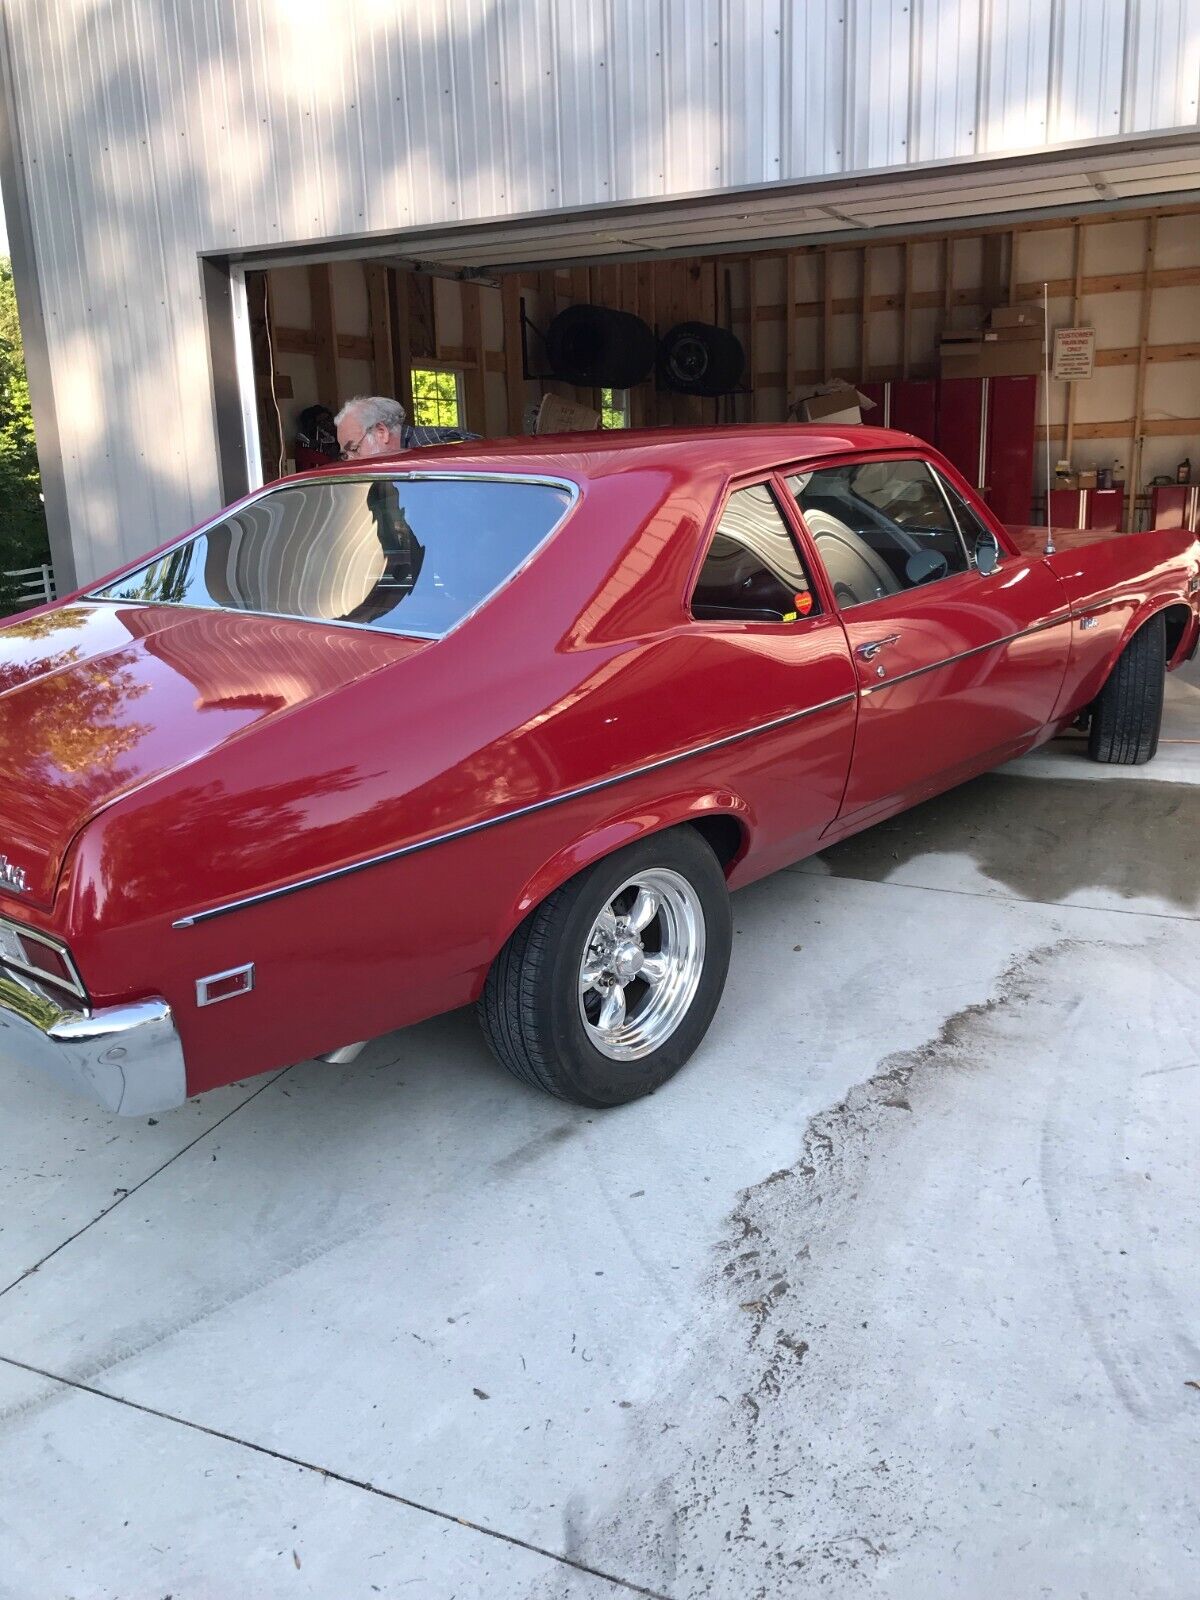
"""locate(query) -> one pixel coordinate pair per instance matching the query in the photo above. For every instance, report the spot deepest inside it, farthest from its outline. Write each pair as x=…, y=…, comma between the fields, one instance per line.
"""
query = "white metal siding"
x=153, y=130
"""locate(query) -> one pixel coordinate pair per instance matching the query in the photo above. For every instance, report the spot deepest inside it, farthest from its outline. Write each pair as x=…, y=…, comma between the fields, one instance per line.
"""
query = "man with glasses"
x=373, y=425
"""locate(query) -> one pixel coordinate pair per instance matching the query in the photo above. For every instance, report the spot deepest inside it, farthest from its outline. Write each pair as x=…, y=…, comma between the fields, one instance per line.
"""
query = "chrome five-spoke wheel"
x=607, y=987
x=642, y=964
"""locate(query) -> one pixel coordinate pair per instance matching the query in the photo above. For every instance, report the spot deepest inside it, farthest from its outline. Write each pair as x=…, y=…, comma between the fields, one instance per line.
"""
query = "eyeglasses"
x=352, y=450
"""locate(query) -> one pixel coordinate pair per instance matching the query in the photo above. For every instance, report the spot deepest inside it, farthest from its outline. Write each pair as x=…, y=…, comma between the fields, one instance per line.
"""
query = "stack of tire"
x=598, y=348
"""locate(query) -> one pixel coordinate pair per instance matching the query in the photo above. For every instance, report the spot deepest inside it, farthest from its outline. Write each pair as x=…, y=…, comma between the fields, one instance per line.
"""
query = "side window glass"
x=880, y=527
x=969, y=521
x=752, y=572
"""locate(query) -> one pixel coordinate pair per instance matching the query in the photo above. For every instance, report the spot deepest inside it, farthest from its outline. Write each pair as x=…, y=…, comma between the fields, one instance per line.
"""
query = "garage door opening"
x=941, y=332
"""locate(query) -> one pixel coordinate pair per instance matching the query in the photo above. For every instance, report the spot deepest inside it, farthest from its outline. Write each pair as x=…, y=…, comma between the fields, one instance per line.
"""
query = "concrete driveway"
x=895, y=1291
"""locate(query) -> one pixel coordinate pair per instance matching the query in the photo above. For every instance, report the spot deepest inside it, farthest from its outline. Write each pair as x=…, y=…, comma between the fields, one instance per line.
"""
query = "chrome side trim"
x=985, y=398
x=509, y=816
x=270, y=616
x=965, y=655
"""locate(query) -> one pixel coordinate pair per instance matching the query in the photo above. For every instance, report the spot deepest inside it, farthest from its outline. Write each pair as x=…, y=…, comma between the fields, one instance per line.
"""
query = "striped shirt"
x=414, y=435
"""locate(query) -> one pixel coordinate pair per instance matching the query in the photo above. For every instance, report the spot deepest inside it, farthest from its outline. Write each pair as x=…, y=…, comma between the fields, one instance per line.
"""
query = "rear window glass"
x=405, y=555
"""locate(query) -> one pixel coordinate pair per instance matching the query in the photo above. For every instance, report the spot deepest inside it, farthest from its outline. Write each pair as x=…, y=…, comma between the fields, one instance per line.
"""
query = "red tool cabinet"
x=985, y=426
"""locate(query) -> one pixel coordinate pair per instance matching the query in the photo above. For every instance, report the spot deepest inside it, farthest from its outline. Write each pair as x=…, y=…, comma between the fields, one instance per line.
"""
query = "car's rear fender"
x=1115, y=621
x=1180, y=634
x=724, y=819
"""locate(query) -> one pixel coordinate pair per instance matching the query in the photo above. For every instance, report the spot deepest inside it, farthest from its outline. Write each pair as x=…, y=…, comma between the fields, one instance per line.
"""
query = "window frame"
x=460, y=393
x=945, y=486
x=770, y=478
x=320, y=478
x=939, y=467
x=624, y=410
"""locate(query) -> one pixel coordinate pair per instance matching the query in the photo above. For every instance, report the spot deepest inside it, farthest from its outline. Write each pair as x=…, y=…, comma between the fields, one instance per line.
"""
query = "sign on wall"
x=1074, y=353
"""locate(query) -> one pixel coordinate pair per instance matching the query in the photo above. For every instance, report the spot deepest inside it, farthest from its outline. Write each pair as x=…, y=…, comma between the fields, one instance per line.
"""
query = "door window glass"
x=969, y=521
x=753, y=572
x=880, y=527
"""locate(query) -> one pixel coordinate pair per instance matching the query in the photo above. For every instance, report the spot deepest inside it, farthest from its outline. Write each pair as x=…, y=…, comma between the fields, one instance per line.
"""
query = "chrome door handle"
x=868, y=652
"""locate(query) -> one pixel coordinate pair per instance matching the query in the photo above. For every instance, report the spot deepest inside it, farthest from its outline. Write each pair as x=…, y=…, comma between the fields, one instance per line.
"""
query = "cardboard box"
x=1026, y=316
x=1086, y=480
x=1001, y=358
x=1024, y=331
x=556, y=415
x=830, y=408
x=840, y=402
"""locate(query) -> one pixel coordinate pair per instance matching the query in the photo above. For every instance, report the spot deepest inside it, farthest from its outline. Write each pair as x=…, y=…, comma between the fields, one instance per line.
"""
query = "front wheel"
x=1127, y=713
x=606, y=989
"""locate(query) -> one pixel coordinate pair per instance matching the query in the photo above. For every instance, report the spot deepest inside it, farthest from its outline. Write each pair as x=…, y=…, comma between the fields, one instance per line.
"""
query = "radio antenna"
x=1050, y=545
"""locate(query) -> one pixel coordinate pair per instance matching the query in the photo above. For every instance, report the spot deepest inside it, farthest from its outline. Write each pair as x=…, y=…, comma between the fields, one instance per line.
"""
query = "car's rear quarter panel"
x=1118, y=582
x=527, y=701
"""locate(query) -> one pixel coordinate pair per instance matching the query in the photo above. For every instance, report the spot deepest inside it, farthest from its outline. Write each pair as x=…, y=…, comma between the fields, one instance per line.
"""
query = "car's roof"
x=596, y=454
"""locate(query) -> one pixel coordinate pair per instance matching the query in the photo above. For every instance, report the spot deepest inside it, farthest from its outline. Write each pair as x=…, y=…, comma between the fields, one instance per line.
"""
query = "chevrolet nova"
x=503, y=724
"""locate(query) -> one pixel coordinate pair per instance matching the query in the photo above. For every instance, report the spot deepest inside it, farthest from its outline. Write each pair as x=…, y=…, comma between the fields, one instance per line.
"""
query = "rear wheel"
x=1127, y=713
x=606, y=989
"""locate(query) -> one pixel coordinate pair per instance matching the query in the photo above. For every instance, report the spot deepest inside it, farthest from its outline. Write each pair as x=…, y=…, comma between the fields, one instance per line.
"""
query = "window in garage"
x=614, y=408
x=437, y=397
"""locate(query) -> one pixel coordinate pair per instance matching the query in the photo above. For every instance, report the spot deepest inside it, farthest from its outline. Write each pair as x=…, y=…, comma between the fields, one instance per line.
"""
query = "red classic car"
x=503, y=724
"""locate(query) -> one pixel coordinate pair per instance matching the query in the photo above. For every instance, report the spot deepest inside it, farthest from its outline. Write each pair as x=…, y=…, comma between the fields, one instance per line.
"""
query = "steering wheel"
x=925, y=566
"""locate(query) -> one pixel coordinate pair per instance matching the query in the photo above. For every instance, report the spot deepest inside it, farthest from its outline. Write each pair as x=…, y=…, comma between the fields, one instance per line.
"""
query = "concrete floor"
x=894, y=1292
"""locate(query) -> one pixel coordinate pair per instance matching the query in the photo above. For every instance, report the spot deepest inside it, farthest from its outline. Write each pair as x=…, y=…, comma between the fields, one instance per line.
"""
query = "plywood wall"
x=805, y=316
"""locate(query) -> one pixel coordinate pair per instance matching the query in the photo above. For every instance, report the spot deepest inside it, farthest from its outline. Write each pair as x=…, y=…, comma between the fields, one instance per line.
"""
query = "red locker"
x=1011, y=415
x=914, y=407
x=960, y=426
x=1175, y=505
x=1088, y=508
x=907, y=404
x=985, y=426
x=1106, y=507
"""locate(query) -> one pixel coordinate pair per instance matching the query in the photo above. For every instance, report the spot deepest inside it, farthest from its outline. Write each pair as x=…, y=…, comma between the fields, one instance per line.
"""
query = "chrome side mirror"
x=987, y=553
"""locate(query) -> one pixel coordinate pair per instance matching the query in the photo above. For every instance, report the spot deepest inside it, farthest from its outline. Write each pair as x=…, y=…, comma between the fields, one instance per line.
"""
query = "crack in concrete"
x=338, y=1477
x=128, y=1194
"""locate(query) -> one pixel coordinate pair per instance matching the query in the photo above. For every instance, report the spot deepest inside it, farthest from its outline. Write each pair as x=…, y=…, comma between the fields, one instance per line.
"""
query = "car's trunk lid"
x=98, y=699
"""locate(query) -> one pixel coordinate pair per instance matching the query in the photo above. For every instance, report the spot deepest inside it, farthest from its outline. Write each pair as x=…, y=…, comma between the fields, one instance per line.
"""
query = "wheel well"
x=1176, y=619
x=724, y=835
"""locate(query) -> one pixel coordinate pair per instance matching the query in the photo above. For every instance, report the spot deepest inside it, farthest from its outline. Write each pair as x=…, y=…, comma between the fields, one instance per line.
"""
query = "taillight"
x=49, y=959
x=40, y=956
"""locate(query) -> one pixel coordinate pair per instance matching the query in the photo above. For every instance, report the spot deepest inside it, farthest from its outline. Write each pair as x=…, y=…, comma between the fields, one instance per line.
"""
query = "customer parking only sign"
x=1074, y=353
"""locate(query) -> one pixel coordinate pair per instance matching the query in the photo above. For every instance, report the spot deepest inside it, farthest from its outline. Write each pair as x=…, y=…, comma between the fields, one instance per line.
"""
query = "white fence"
x=34, y=585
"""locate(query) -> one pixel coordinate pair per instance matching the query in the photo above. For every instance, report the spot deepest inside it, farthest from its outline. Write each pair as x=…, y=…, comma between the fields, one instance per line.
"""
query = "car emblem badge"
x=12, y=876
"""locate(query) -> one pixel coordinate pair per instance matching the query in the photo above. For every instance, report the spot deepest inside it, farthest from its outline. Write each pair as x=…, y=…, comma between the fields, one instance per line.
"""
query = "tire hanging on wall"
x=700, y=358
x=598, y=348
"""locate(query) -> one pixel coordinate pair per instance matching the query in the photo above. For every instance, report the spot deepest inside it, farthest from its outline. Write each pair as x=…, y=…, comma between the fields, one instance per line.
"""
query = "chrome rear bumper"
x=127, y=1058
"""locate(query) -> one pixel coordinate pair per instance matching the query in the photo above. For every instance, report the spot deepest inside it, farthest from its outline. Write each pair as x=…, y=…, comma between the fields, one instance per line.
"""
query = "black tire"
x=530, y=1008
x=1127, y=713
x=596, y=347
x=701, y=359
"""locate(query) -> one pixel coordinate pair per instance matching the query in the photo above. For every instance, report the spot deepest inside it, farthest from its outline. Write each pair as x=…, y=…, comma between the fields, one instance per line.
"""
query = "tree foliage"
x=436, y=397
x=23, y=541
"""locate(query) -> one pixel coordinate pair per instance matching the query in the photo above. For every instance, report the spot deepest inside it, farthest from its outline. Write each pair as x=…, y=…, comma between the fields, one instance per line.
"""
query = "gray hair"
x=372, y=410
